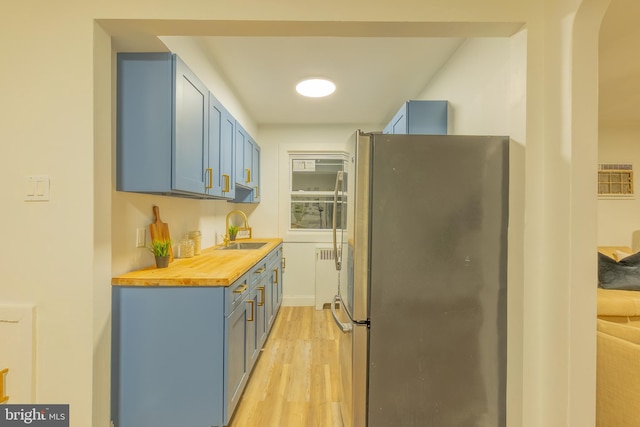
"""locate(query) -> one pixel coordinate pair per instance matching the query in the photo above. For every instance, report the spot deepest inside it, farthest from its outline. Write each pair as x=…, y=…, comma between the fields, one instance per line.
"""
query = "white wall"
x=619, y=218
x=477, y=83
x=299, y=248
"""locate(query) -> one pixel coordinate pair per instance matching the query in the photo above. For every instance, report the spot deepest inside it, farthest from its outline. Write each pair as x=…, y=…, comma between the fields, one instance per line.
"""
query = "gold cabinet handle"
x=210, y=173
x=261, y=289
x=240, y=289
x=252, y=307
x=226, y=183
x=259, y=271
x=3, y=398
x=248, y=170
x=256, y=192
x=275, y=270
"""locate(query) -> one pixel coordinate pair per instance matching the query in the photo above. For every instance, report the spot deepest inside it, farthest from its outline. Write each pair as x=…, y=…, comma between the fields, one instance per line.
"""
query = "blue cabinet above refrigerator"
x=420, y=118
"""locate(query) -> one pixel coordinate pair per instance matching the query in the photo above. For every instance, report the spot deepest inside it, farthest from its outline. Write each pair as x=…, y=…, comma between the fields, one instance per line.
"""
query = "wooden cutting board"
x=160, y=230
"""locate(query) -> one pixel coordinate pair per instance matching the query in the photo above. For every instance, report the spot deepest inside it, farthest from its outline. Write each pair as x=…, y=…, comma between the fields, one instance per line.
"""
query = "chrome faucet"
x=226, y=234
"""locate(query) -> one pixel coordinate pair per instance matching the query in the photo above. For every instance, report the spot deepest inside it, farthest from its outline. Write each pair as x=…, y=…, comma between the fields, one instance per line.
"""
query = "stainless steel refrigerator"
x=423, y=281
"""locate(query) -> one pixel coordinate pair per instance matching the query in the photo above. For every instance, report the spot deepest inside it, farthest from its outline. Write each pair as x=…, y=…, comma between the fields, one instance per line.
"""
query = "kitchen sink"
x=244, y=245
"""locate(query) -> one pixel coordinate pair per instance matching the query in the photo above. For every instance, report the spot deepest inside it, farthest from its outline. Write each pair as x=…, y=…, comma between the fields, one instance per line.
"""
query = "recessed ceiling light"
x=315, y=88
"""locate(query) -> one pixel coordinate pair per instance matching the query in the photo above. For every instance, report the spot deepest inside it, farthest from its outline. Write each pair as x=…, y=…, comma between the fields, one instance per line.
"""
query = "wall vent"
x=326, y=277
x=615, y=180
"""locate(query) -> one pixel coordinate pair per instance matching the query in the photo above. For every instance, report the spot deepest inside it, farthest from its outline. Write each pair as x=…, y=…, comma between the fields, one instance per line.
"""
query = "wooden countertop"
x=213, y=267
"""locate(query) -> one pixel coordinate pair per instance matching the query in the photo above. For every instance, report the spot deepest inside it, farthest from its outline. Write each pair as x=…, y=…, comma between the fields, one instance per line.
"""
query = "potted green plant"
x=160, y=249
x=233, y=231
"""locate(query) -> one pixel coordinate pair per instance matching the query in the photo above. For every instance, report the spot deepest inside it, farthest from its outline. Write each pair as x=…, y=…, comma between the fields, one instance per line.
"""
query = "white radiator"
x=326, y=277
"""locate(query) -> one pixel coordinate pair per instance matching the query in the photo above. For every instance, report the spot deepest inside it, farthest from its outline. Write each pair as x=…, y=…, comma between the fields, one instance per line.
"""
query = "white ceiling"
x=373, y=75
x=376, y=66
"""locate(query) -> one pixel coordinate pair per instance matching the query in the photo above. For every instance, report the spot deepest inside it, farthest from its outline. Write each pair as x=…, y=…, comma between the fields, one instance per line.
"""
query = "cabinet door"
x=220, y=181
x=398, y=125
x=275, y=282
x=268, y=303
x=279, y=279
x=240, y=142
x=214, y=176
x=227, y=155
x=255, y=172
x=248, y=162
x=253, y=330
x=260, y=319
x=261, y=310
x=191, y=141
x=244, y=158
x=427, y=117
x=237, y=357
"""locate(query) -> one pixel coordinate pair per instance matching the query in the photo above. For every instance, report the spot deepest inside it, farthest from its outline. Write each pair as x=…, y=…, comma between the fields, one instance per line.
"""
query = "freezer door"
x=437, y=339
x=358, y=223
x=353, y=371
x=351, y=314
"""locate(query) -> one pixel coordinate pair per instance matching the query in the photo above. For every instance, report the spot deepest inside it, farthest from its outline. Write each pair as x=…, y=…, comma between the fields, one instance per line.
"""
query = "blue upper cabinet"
x=228, y=156
x=420, y=117
x=190, y=166
x=255, y=173
x=240, y=142
x=221, y=132
x=173, y=136
x=247, y=167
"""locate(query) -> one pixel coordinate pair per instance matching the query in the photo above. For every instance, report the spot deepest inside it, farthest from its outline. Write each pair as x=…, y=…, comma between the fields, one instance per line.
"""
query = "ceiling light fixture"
x=315, y=88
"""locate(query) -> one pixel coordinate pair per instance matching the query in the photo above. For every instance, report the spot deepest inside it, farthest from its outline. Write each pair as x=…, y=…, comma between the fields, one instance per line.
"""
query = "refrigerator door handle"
x=344, y=327
x=339, y=185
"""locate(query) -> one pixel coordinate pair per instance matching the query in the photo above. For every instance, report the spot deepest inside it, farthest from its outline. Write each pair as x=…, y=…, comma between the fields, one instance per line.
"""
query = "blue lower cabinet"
x=237, y=357
x=182, y=356
x=167, y=361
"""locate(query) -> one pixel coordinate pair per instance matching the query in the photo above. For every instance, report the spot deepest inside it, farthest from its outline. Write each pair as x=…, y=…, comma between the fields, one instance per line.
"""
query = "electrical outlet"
x=141, y=236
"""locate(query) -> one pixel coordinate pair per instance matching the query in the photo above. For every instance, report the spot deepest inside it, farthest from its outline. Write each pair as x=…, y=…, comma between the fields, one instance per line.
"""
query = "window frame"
x=316, y=155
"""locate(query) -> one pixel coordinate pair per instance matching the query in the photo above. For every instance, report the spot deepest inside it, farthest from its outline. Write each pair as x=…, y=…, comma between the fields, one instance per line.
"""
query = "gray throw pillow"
x=623, y=274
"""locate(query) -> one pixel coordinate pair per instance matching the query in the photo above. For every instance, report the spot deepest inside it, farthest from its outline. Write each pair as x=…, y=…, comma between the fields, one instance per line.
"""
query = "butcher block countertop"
x=213, y=267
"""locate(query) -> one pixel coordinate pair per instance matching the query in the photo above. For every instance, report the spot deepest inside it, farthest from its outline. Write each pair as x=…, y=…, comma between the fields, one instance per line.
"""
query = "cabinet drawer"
x=257, y=272
x=236, y=293
x=274, y=256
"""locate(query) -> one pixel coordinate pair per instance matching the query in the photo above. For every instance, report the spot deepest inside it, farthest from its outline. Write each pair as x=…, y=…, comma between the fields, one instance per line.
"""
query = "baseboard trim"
x=299, y=301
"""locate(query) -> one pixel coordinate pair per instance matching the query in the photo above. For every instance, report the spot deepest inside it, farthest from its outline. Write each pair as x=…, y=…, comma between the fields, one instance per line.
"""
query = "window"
x=312, y=188
x=615, y=180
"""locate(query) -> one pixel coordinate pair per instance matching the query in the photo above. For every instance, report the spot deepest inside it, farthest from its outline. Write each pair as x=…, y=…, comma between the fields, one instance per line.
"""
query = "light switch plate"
x=141, y=235
x=36, y=188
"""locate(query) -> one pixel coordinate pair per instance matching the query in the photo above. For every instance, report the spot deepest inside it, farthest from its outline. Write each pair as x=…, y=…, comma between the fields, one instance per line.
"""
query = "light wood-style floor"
x=296, y=380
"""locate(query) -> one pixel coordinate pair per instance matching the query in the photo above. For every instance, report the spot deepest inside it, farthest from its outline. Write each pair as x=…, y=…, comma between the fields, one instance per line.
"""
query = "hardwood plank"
x=296, y=381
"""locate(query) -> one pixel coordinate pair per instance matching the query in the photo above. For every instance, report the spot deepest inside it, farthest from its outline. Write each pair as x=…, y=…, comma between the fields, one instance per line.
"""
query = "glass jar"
x=196, y=237
x=186, y=248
